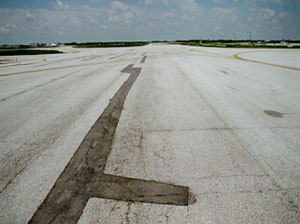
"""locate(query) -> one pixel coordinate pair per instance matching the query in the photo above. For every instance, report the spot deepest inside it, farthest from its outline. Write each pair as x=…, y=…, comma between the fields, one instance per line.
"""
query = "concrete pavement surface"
x=225, y=127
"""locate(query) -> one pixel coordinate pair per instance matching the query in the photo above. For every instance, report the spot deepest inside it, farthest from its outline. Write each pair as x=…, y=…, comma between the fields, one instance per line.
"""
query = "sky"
x=49, y=21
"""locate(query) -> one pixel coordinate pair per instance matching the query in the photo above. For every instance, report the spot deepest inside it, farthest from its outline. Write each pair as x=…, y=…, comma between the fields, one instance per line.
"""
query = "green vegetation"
x=238, y=44
x=109, y=44
x=12, y=52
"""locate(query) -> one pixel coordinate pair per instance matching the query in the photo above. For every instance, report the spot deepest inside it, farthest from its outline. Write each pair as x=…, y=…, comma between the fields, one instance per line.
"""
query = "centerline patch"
x=84, y=177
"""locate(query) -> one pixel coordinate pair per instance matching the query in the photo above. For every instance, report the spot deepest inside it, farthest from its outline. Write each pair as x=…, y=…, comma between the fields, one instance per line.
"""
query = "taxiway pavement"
x=226, y=128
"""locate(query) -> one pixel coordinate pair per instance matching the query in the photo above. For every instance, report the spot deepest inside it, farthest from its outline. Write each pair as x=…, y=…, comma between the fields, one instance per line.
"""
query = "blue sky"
x=26, y=21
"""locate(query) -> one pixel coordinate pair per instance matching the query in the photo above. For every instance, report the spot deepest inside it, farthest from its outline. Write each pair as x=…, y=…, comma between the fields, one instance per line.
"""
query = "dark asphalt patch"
x=274, y=113
x=143, y=59
x=83, y=177
x=118, y=56
x=224, y=72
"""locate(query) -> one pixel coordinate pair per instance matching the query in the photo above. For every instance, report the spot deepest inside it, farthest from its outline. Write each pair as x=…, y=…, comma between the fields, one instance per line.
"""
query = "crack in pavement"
x=84, y=177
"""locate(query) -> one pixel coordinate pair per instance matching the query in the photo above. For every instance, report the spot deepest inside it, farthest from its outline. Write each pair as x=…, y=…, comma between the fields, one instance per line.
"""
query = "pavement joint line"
x=118, y=56
x=215, y=56
x=236, y=56
x=210, y=54
x=234, y=175
x=84, y=178
x=218, y=129
x=12, y=142
x=241, y=192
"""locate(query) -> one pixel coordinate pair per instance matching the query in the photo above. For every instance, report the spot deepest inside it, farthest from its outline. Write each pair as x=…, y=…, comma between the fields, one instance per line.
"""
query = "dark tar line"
x=84, y=177
x=143, y=59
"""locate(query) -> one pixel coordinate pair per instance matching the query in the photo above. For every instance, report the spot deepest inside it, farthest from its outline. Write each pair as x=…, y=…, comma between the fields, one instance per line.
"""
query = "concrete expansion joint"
x=84, y=178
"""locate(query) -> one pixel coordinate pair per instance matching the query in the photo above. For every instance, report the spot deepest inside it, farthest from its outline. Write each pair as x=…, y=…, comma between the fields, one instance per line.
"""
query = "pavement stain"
x=140, y=145
x=235, y=89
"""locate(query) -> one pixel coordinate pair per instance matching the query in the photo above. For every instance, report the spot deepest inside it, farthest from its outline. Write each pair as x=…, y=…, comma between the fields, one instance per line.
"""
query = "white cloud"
x=128, y=15
x=28, y=14
x=188, y=18
x=116, y=5
x=120, y=13
x=217, y=1
x=4, y=30
x=10, y=26
x=190, y=5
x=222, y=11
x=222, y=14
x=273, y=1
x=171, y=23
x=148, y=2
x=114, y=19
x=284, y=15
x=269, y=13
x=258, y=3
x=7, y=28
x=165, y=2
x=170, y=14
x=60, y=5
x=276, y=28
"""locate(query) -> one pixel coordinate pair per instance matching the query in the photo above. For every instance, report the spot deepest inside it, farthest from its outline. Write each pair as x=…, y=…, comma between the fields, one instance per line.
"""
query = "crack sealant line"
x=84, y=177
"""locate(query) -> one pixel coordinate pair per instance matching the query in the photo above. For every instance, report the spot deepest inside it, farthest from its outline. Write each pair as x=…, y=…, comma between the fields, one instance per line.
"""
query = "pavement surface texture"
x=152, y=134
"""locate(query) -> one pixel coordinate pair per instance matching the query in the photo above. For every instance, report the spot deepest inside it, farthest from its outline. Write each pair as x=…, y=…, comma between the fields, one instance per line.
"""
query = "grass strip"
x=111, y=44
x=27, y=52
